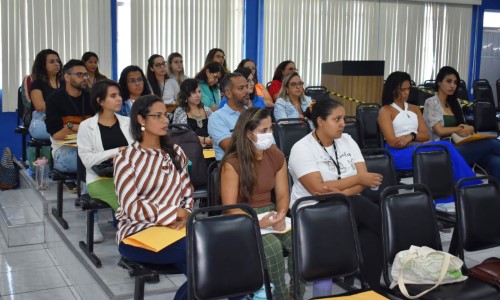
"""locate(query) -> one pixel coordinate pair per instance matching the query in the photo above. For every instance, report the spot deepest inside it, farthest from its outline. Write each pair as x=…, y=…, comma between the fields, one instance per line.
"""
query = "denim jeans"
x=37, y=129
x=65, y=159
x=485, y=153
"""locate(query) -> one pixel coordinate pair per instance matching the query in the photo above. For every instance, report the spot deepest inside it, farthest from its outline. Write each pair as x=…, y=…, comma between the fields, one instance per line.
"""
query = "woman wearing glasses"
x=292, y=103
x=217, y=55
x=91, y=64
x=46, y=74
x=162, y=198
x=133, y=84
x=176, y=67
x=162, y=86
x=209, y=78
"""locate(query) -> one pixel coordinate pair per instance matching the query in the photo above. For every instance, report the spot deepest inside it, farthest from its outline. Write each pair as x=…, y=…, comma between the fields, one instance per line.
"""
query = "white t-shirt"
x=308, y=156
x=170, y=91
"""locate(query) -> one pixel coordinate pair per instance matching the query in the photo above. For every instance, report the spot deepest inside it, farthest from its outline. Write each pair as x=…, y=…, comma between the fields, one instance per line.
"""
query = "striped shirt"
x=149, y=188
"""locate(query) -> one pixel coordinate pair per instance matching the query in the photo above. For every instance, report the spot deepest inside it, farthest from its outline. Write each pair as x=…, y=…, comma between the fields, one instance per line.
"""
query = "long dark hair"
x=99, y=93
x=39, y=71
x=242, y=65
x=212, y=67
x=123, y=82
x=187, y=87
x=244, y=150
x=155, y=85
x=278, y=73
x=392, y=86
x=141, y=107
x=86, y=56
x=210, y=57
x=451, y=99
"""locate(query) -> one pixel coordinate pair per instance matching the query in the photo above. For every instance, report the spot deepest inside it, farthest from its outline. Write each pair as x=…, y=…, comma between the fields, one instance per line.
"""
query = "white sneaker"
x=98, y=237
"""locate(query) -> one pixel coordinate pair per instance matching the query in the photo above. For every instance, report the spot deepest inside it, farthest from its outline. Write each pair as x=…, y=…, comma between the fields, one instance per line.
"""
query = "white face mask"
x=264, y=140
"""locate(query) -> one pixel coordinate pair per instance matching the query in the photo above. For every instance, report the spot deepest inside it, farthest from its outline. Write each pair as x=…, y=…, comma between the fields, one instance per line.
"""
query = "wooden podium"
x=361, y=80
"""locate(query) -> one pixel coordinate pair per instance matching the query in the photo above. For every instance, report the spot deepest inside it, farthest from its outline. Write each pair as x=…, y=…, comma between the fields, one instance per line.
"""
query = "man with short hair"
x=65, y=110
x=222, y=121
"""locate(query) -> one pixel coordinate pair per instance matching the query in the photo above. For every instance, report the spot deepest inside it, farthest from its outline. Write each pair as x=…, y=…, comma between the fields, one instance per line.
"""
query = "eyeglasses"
x=296, y=84
x=80, y=75
x=137, y=80
x=159, y=65
x=51, y=61
x=160, y=116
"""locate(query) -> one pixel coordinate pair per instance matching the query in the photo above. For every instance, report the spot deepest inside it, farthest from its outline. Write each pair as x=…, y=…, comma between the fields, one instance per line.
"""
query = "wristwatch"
x=69, y=125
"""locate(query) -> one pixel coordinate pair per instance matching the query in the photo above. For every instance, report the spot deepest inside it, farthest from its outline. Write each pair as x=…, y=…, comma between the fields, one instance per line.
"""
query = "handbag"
x=487, y=271
x=9, y=177
x=424, y=265
x=104, y=169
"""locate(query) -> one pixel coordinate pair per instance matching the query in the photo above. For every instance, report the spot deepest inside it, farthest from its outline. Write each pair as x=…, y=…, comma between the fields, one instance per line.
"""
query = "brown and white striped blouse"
x=149, y=188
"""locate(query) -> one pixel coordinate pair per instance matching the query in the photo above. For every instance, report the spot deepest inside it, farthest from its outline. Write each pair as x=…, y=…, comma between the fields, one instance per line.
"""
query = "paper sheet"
x=155, y=238
x=267, y=230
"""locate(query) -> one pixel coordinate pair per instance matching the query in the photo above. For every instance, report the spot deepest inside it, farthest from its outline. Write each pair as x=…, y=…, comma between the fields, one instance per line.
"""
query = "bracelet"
x=413, y=136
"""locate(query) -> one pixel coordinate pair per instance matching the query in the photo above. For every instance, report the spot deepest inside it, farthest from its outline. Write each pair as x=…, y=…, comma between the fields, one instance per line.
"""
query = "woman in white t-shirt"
x=329, y=161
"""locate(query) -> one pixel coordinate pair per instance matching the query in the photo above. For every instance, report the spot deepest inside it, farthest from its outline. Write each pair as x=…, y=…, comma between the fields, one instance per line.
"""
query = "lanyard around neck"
x=335, y=163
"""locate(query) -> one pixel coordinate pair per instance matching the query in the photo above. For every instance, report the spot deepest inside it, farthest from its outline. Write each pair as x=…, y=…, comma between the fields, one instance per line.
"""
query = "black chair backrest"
x=462, y=92
x=213, y=184
x=432, y=167
x=367, y=114
x=353, y=128
x=485, y=118
x=407, y=219
x=379, y=161
x=289, y=131
x=478, y=209
x=429, y=84
x=498, y=89
x=417, y=97
x=325, y=241
x=482, y=90
x=317, y=92
x=225, y=254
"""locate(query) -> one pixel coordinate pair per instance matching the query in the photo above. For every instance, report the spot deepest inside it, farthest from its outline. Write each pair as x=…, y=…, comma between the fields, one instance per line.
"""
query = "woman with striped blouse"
x=152, y=185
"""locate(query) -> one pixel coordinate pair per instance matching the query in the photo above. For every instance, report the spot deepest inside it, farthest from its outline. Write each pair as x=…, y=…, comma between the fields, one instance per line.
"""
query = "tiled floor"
x=54, y=270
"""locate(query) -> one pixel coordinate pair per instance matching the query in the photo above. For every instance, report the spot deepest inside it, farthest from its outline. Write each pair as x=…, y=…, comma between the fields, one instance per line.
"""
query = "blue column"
x=114, y=41
x=253, y=31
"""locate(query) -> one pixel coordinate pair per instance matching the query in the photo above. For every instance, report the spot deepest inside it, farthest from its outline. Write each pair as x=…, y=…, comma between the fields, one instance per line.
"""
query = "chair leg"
x=23, y=147
x=88, y=248
x=57, y=212
x=139, y=288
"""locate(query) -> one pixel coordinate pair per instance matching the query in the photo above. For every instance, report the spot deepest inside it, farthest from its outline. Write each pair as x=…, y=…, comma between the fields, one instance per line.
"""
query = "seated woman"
x=46, y=74
x=292, y=103
x=403, y=125
x=260, y=89
x=444, y=116
x=250, y=170
x=190, y=110
x=164, y=197
x=328, y=161
x=133, y=84
x=91, y=64
x=161, y=84
x=283, y=70
x=217, y=55
x=253, y=99
x=100, y=138
x=176, y=67
x=209, y=78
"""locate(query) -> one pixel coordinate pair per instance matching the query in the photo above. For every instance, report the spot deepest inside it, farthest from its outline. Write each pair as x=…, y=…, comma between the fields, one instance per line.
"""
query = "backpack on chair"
x=9, y=177
x=187, y=139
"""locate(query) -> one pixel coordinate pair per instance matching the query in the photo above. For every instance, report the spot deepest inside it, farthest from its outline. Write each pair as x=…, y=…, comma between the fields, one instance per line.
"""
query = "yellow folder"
x=155, y=238
x=208, y=153
x=368, y=295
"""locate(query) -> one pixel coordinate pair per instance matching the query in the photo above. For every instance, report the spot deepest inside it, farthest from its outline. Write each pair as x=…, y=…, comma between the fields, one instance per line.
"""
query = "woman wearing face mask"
x=250, y=169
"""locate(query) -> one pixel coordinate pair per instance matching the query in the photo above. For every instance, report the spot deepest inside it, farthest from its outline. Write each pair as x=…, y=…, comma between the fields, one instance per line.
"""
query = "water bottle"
x=261, y=294
x=41, y=173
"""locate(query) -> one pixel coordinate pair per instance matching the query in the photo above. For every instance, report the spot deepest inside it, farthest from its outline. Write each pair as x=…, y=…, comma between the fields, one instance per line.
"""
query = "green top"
x=450, y=121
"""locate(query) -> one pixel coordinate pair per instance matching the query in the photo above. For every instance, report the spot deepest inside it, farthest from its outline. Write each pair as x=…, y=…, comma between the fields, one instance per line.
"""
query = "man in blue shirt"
x=222, y=121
